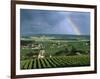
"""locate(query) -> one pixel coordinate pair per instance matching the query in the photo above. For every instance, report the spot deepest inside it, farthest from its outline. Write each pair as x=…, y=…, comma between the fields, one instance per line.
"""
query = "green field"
x=55, y=62
x=48, y=52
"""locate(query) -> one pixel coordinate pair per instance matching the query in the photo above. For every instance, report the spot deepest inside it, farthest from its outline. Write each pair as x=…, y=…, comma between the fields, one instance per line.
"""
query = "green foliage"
x=35, y=63
x=56, y=62
x=25, y=42
x=43, y=63
x=30, y=64
x=64, y=53
x=56, y=48
x=39, y=64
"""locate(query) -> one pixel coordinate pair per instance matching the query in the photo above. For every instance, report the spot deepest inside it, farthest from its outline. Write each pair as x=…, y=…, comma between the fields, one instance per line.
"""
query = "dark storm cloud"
x=52, y=22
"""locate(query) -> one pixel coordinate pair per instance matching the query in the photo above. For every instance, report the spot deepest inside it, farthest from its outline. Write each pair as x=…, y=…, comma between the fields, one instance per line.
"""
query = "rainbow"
x=74, y=26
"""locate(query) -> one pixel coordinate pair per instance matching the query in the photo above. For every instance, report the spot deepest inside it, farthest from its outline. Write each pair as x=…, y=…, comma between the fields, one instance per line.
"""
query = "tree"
x=25, y=42
x=62, y=52
x=29, y=55
x=71, y=50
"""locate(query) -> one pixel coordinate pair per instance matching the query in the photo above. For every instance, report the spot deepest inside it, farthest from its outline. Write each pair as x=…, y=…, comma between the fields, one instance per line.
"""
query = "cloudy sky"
x=54, y=22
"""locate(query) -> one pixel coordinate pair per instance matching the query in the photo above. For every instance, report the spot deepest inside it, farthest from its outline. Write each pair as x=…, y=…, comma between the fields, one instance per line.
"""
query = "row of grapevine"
x=54, y=62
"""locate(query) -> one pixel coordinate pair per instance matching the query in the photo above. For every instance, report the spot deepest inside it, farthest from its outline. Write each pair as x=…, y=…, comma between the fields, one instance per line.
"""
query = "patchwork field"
x=54, y=52
x=55, y=62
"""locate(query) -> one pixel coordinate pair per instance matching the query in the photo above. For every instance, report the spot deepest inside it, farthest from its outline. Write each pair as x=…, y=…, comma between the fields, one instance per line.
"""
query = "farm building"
x=41, y=54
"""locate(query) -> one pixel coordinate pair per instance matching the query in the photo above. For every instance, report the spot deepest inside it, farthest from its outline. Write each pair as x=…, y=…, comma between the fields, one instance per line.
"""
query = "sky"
x=54, y=22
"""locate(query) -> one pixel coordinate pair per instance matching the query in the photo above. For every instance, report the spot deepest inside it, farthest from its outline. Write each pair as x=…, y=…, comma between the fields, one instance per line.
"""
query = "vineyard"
x=56, y=62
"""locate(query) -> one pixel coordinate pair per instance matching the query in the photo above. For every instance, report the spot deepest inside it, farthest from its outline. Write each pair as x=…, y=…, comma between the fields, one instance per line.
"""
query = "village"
x=40, y=50
x=47, y=52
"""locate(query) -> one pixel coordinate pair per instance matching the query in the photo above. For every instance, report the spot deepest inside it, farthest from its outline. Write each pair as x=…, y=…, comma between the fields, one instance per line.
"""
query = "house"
x=41, y=54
